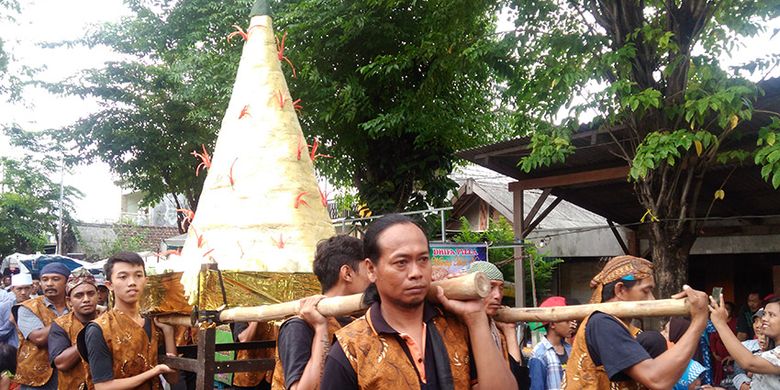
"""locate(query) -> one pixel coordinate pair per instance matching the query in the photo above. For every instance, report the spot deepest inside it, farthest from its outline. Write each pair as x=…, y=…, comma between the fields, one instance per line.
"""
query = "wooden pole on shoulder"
x=470, y=286
x=636, y=309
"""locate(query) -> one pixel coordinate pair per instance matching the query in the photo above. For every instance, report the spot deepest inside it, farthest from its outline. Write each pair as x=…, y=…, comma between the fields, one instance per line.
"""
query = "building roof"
x=492, y=187
x=594, y=177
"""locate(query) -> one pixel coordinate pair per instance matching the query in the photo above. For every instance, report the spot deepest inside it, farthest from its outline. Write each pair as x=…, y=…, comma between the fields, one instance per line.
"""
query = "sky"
x=56, y=20
x=51, y=21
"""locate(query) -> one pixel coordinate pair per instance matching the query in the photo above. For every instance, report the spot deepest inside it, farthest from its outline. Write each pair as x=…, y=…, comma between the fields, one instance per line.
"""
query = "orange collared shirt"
x=417, y=351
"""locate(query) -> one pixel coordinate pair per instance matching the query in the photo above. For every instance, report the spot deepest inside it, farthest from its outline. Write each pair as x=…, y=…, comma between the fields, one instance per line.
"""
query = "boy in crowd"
x=548, y=362
x=304, y=341
x=121, y=346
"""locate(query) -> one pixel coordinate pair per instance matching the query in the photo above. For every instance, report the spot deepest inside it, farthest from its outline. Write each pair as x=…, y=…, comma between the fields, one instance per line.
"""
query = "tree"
x=389, y=89
x=10, y=80
x=29, y=205
x=394, y=88
x=657, y=65
x=163, y=101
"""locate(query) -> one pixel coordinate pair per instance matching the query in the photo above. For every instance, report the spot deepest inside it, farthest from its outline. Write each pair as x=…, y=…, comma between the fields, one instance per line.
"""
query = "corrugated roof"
x=564, y=215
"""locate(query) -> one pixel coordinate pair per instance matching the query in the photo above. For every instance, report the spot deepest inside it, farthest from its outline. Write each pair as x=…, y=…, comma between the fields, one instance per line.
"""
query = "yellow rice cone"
x=261, y=207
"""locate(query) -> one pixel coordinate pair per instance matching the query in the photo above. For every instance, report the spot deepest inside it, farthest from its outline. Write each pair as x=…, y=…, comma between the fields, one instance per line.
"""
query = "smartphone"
x=716, y=293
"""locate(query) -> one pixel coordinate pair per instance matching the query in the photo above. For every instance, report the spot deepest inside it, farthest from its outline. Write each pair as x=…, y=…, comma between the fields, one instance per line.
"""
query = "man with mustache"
x=606, y=354
x=63, y=353
x=120, y=345
x=403, y=341
x=34, y=319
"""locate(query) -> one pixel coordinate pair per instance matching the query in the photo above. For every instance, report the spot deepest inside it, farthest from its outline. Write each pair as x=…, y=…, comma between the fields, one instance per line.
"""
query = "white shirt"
x=764, y=381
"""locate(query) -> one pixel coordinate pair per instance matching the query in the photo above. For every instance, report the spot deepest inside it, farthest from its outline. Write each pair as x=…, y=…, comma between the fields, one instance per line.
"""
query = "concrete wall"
x=574, y=278
x=97, y=240
x=591, y=243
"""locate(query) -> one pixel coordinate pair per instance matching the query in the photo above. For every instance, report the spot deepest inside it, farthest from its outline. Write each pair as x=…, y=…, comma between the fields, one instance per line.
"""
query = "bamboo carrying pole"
x=638, y=309
x=470, y=286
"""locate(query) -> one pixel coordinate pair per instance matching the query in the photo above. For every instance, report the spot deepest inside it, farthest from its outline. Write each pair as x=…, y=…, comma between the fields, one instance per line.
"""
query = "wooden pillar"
x=517, y=226
x=206, y=349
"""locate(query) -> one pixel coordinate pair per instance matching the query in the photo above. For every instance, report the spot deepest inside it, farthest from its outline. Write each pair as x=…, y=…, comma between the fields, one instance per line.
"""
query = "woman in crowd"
x=765, y=366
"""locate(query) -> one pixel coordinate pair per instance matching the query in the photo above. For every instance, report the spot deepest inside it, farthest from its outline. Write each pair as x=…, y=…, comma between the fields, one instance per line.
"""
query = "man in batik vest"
x=504, y=334
x=34, y=319
x=606, y=355
x=120, y=345
x=304, y=340
x=72, y=370
x=404, y=342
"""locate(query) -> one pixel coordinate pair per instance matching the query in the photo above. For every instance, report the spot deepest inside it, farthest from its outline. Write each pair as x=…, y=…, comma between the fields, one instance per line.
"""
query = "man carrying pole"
x=504, y=333
x=120, y=345
x=606, y=354
x=403, y=342
x=304, y=341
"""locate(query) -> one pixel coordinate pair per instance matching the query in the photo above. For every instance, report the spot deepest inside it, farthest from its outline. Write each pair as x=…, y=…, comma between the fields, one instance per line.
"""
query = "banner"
x=456, y=257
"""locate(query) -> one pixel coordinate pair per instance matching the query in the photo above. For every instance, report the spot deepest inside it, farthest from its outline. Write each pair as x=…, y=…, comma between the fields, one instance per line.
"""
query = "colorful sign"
x=456, y=257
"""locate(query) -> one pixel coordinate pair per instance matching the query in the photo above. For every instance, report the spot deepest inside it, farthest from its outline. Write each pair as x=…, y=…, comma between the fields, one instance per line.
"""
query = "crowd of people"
x=62, y=333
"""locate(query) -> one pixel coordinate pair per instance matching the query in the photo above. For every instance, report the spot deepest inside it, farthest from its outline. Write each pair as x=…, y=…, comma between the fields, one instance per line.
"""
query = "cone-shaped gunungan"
x=261, y=207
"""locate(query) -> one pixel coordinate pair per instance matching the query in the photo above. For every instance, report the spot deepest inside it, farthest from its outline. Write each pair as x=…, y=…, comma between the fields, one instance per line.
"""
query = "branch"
x=684, y=200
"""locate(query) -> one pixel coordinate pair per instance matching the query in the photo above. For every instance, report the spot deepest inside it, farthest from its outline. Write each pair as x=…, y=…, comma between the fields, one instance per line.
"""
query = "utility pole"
x=62, y=191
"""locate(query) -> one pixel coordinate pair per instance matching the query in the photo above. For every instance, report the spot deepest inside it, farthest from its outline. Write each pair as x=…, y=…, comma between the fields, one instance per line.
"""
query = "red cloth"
x=719, y=352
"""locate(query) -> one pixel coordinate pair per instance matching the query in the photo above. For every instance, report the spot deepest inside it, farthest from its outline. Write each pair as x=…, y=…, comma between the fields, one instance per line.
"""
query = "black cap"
x=260, y=8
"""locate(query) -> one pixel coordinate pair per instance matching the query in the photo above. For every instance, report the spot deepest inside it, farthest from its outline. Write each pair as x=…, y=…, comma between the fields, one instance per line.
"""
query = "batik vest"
x=78, y=376
x=583, y=374
x=278, y=379
x=33, y=368
x=381, y=363
x=265, y=331
x=131, y=350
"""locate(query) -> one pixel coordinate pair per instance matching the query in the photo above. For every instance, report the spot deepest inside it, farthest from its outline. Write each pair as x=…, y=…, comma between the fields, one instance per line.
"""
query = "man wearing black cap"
x=34, y=319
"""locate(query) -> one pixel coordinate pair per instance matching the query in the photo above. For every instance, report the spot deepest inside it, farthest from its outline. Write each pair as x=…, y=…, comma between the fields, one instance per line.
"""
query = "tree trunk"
x=670, y=259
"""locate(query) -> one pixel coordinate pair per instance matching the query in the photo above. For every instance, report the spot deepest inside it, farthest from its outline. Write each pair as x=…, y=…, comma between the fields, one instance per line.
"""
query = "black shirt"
x=745, y=322
x=611, y=345
x=339, y=374
x=294, y=345
x=58, y=342
x=101, y=363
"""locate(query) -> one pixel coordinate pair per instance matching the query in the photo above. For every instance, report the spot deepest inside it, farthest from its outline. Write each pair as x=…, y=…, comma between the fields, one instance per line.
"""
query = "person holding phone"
x=765, y=366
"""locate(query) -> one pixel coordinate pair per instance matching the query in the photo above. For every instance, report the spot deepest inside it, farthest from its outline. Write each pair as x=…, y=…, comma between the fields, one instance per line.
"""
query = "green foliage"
x=548, y=150
x=500, y=232
x=10, y=80
x=668, y=148
x=768, y=153
x=161, y=102
x=395, y=88
x=29, y=205
x=658, y=89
